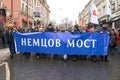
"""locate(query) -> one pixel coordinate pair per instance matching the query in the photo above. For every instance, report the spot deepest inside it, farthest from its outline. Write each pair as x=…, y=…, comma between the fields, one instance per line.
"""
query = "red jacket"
x=118, y=39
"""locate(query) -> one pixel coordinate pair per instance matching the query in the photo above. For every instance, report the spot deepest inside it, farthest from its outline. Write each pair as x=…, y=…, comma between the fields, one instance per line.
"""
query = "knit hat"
x=50, y=25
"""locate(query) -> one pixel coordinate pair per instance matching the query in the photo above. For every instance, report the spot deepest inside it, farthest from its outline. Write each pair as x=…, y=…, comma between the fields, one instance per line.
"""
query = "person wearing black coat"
x=105, y=29
x=50, y=28
x=10, y=40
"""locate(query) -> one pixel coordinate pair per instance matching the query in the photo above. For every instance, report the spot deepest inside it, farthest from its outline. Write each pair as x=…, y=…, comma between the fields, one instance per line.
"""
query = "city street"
x=2, y=72
x=23, y=68
x=77, y=41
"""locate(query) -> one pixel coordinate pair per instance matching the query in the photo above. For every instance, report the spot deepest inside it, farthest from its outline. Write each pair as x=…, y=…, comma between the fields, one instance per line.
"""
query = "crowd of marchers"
x=7, y=39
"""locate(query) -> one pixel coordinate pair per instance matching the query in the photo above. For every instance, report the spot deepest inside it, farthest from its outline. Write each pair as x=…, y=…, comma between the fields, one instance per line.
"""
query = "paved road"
x=23, y=68
x=2, y=72
x=45, y=69
x=4, y=54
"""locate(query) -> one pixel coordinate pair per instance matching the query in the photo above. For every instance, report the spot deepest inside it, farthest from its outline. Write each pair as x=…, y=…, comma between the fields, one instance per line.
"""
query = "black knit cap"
x=50, y=24
x=105, y=22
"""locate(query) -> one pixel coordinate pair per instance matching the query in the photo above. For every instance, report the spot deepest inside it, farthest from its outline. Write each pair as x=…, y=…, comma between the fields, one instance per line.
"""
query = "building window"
x=23, y=7
x=29, y=12
x=99, y=11
x=43, y=0
x=118, y=4
x=34, y=2
x=104, y=10
x=117, y=23
x=3, y=12
x=30, y=2
x=26, y=10
x=113, y=6
x=98, y=2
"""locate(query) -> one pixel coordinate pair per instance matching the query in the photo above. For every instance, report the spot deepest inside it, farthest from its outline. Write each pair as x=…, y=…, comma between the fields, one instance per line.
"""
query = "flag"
x=83, y=22
x=108, y=8
x=94, y=13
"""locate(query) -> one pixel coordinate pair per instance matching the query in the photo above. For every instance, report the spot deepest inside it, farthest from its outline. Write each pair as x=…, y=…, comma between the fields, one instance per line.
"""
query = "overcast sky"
x=69, y=8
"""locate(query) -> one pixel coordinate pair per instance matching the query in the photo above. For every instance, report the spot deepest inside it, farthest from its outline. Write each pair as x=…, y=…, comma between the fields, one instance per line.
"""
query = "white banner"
x=94, y=13
x=108, y=8
x=37, y=9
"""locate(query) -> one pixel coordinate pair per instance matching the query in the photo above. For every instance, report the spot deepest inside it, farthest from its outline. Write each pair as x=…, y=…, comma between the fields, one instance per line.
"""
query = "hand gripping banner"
x=62, y=43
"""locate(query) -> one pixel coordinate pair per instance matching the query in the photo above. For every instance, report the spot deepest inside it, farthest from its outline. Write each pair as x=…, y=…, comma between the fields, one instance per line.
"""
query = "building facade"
x=44, y=18
x=114, y=19
x=21, y=12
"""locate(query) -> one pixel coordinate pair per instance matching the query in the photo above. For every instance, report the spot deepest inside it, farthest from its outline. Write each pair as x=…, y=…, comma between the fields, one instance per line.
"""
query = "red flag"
x=94, y=13
x=83, y=22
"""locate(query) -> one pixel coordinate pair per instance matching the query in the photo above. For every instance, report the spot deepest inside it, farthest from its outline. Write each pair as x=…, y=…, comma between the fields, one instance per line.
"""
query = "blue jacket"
x=104, y=30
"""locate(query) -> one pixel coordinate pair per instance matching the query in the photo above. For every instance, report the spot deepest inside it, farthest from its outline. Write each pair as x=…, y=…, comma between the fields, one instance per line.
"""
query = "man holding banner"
x=10, y=37
x=50, y=28
x=107, y=30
